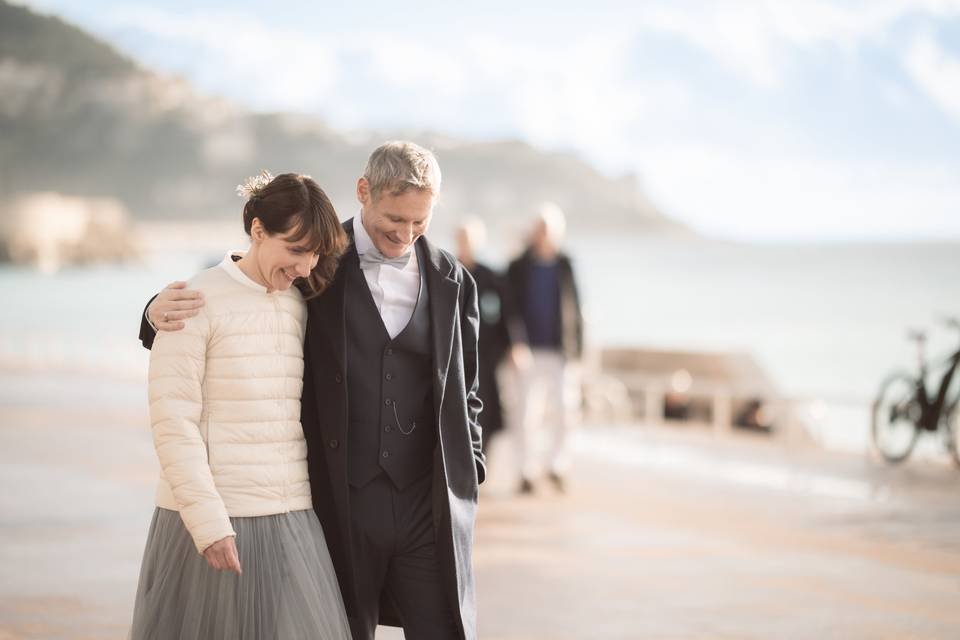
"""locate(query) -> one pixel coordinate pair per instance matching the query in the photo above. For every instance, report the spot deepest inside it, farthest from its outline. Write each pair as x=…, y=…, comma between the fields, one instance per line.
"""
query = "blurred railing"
x=717, y=391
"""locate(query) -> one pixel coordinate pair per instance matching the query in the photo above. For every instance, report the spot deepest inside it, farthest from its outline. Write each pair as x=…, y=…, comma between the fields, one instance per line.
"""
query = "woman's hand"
x=222, y=555
x=173, y=305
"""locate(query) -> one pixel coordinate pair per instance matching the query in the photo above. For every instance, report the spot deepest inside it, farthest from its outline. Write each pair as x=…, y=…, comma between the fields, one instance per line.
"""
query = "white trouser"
x=548, y=402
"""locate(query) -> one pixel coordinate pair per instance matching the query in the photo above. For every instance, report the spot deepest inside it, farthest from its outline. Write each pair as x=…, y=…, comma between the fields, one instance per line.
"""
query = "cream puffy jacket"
x=225, y=406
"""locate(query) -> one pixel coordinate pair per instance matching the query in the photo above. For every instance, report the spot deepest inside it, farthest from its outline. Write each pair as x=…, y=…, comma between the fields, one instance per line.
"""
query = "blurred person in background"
x=500, y=333
x=234, y=494
x=390, y=407
x=544, y=292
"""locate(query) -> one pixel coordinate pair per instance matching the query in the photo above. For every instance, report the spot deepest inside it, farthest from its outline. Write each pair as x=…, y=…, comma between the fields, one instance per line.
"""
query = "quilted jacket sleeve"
x=177, y=366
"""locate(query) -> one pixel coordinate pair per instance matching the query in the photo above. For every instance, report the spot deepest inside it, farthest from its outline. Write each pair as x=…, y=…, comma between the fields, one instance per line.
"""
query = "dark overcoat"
x=458, y=461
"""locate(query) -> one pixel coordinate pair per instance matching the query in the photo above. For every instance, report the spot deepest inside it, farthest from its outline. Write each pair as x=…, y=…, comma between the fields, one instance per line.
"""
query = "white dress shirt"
x=395, y=291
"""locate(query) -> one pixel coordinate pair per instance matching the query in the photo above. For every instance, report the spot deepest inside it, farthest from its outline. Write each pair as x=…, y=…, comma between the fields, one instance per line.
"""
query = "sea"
x=826, y=322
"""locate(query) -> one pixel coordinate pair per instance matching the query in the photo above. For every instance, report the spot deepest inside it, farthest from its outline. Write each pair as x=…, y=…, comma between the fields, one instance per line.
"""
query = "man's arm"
x=508, y=327
x=148, y=332
x=577, y=308
x=168, y=310
x=512, y=283
x=469, y=328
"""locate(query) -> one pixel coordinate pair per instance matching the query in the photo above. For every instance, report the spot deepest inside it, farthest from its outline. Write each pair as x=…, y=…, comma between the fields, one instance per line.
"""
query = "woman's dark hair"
x=294, y=202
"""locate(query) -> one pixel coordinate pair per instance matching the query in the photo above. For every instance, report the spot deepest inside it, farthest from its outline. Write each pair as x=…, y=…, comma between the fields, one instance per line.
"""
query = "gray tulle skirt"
x=288, y=588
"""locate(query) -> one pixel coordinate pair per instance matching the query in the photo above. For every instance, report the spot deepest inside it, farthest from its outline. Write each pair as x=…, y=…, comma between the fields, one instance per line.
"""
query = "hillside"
x=80, y=118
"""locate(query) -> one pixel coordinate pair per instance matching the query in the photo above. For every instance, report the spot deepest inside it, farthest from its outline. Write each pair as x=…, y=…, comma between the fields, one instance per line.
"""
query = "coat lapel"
x=328, y=313
x=444, y=292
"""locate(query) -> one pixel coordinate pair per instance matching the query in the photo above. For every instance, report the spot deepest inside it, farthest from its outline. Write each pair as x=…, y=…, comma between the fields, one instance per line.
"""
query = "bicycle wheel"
x=896, y=414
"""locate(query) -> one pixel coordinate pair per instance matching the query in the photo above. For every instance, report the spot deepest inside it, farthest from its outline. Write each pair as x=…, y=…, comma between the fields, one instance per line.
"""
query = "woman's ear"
x=257, y=232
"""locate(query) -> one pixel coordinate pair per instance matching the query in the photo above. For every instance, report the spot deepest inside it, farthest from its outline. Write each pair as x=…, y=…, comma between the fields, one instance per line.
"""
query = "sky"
x=760, y=121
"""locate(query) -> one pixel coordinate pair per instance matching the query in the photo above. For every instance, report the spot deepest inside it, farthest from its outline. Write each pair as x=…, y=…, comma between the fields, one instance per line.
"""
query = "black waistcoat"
x=392, y=427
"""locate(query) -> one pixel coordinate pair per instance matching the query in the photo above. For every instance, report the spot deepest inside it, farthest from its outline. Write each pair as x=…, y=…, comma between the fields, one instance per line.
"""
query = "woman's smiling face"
x=280, y=261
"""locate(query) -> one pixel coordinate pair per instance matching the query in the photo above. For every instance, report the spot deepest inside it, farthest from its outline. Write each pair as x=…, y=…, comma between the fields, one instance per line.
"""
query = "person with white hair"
x=545, y=294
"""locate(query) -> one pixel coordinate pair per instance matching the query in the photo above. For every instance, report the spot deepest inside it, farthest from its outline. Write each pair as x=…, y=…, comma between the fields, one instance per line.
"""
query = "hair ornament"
x=253, y=186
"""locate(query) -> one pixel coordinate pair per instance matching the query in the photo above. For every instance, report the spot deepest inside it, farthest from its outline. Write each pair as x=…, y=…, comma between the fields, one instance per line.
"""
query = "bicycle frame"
x=932, y=409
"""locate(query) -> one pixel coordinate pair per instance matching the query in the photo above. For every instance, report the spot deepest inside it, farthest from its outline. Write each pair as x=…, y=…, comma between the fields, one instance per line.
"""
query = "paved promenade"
x=662, y=534
x=672, y=535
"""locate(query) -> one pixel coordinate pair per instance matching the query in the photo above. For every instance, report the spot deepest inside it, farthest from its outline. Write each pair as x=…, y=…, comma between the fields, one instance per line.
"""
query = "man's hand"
x=520, y=356
x=173, y=305
x=222, y=555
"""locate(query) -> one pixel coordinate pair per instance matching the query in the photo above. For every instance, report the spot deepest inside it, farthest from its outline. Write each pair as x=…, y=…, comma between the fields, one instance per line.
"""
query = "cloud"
x=703, y=159
x=576, y=97
x=236, y=55
x=757, y=39
x=787, y=194
x=935, y=73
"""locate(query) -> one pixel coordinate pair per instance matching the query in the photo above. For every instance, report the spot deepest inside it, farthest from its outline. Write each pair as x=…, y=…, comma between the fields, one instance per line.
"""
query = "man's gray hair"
x=396, y=167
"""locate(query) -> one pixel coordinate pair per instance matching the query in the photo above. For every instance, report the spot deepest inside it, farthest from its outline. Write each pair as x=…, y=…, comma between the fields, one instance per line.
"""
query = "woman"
x=235, y=549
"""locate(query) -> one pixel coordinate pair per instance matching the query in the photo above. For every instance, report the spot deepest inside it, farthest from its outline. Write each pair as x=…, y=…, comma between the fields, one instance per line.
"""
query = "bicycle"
x=904, y=409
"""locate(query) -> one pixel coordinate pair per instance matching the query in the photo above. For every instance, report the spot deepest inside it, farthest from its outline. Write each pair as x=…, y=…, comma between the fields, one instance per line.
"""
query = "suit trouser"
x=394, y=551
x=549, y=398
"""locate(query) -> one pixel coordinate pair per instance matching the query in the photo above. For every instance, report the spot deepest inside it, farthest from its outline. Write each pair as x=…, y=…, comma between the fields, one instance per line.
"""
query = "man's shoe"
x=558, y=482
x=526, y=487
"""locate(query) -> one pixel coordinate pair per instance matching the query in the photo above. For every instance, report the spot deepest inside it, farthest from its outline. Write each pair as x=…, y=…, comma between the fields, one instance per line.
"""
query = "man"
x=389, y=408
x=545, y=294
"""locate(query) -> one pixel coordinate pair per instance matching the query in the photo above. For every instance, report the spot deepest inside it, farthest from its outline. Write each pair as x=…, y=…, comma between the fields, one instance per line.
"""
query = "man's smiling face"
x=394, y=222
